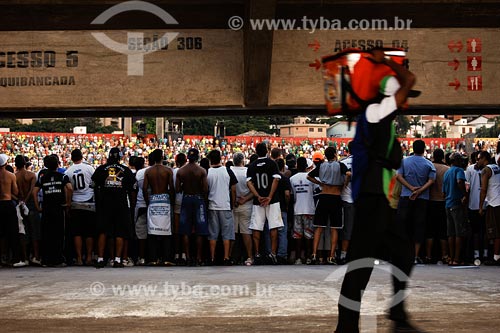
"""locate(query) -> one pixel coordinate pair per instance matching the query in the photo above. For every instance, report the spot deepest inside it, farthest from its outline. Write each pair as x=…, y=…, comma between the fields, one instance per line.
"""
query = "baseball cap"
x=318, y=157
x=114, y=153
x=193, y=154
x=3, y=159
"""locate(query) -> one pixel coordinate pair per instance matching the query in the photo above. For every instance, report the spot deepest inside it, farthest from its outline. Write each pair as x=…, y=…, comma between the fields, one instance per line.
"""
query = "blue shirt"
x=454, y=194
x=416, y=170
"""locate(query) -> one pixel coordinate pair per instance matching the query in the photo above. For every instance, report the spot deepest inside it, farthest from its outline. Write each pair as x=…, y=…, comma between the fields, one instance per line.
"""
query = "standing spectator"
x=416, y=174
x=82, y=213
x=436, y=216
x=115, y=187
x=160, y=202
x=455, y=194
x=191, y=180
x=141, y=210
x=347, y=206
x=331, y=179
x=179, y=255
x=263, y=180
x=490, y=192
x=303, y=230
x=9, y=227
x=477, y=221
x=26, y=181
x=242, y=210
x=57, y=192
x=221, y=192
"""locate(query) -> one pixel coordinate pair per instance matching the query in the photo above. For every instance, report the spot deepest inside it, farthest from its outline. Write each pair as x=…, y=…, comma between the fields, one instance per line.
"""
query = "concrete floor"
x=237, y=299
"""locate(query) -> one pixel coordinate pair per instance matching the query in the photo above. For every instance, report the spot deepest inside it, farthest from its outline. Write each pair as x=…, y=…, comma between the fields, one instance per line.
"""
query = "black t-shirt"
x=262, y=173
x=113, y=182
x=283, y=185
x=52, y=184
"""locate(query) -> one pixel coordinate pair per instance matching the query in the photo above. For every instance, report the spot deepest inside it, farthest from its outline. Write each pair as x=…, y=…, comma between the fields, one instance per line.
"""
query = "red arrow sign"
x=316, y=64
x=455, y=84
x=455, y=63
x=458, y=45
x=315, y=45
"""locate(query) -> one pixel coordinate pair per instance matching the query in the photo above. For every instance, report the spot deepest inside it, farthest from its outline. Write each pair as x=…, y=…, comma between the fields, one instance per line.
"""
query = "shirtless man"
x=160, y=179
x=192, y=181
x=331, y=179
x=26, y=181
x=9, y=228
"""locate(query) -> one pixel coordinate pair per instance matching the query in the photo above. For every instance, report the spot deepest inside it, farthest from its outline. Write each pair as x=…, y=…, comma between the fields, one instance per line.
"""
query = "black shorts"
x=436, y=225
x=114, y=221
x=9, y=226
x=82, y=223
x=477, y=221
x=329, y=208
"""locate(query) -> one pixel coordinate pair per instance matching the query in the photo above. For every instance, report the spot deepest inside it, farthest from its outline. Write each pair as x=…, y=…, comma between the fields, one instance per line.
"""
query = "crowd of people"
x=263, y=205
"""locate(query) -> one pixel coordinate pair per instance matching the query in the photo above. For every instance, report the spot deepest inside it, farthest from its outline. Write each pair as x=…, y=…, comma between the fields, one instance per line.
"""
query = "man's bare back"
x=8, y=185
x=191, y=180
x=160, y=179
x=25, y=182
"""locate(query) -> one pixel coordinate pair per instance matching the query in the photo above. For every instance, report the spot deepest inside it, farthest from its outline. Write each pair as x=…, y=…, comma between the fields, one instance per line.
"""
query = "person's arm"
x=35, y=198
x=204, y=183
x=145, y=186
x=32, y=186
x=403, y=181
x=68, y=194
x=406, y=78
x=171, y=189
x=14, y=190
x=421, y=189
x=233, y=195
x=178, y=188
x=485, y=178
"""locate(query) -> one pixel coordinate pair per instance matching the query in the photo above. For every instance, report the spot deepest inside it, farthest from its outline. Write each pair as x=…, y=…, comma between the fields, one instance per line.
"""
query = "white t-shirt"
x=303, y=193
x=219, y=182
x=80, y=176
x=346, y=194
x=139, y=177
x=473, y=178
x=242, y=189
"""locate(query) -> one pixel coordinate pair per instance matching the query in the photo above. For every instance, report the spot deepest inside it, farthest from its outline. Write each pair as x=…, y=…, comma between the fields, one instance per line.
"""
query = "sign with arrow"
x=455, y=84
x=458, y=46
x=455, y=64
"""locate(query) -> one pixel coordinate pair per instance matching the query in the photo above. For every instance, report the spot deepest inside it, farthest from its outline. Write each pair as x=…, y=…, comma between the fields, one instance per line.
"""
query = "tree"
x=402, y=126
x=437, y=131
x=416, y=121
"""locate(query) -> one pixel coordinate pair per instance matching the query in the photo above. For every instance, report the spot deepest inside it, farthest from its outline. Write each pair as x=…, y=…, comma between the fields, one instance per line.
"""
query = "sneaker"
x=258, y=259
x=36, y=262
x=312, y=260
x=100, y=264
x=342, y=261
x=249, y=262
x=20, y=264
x=428, y=261
x=182, y=262
x=228, y=262
x=117, y=264
x=128, y=262
x=282, y=260
x=61, y=265
x=492, y=262
x=405, y=327
x=331, y=261
x=110, y=262
x=418, y=261
x=298, y=262
x=273, y=259
x=140, y=262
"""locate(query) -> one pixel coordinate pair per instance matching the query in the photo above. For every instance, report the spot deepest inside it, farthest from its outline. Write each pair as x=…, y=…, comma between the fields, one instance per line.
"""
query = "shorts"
x=271, y=212
x=82, y=223
x=477, y=222
x=413, y=214
x=9, y=226
x=457, y=221
x=436, y=226
x=242, y=217
x=178, y=203
x=493, y=222
x=32, y=223
x=193, y=216
x=220, y=221
x=329, y=207
x=141, y=223
x=114, y=220
x=348, y=211
x=303, y=227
